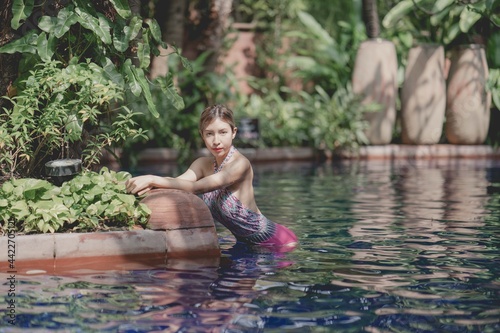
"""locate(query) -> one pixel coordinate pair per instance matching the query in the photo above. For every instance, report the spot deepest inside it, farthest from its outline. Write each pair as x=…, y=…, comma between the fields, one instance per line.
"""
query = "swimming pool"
x=385, y=247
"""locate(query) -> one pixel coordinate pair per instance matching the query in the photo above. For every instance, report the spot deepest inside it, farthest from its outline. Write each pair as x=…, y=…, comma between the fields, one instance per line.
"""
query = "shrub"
x=75, y=67
x=89, y=202
x=62, y=112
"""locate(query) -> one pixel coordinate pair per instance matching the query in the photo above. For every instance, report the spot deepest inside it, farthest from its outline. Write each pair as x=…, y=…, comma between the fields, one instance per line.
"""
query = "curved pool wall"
x=181, y=226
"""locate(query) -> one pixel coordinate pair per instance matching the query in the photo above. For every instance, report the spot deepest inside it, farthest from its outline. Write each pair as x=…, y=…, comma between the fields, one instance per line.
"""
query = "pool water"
x=385, y=247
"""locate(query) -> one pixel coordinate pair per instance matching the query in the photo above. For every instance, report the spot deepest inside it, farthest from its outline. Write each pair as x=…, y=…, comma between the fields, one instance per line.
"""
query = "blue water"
x=385, y=247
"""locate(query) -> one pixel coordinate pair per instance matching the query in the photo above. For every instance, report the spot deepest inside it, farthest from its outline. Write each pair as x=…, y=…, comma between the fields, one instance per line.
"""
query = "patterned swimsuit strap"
x=231, y=152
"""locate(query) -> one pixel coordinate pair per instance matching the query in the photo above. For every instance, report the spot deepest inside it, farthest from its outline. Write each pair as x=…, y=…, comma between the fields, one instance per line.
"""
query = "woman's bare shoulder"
x=199, y=168
x=241, y=164
x=204, y=164
x=204, y=161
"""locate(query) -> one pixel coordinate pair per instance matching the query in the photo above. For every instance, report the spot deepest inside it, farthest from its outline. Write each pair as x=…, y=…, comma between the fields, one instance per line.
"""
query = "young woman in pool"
x=225, y=180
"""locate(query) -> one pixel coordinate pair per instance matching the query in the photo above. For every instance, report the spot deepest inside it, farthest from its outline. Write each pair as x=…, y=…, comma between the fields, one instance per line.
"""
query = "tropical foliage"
x=75, y=69
x=80, y=66
x=56, y=107
x=442, y=21
x=89, y=202
x=323, y=112
x=173, y=128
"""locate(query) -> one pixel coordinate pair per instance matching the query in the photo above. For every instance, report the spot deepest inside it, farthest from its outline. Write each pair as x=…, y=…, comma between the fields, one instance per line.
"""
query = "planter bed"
x=181, y=227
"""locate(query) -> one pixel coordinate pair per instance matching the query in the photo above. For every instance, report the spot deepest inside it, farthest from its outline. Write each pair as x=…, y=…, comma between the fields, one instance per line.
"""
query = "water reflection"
x=203, y=295
x=417, y=235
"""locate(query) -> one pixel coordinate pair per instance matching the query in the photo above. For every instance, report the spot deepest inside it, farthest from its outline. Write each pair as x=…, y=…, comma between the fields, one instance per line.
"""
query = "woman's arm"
x=196, y=170
x=142, y=184
x=192, y=180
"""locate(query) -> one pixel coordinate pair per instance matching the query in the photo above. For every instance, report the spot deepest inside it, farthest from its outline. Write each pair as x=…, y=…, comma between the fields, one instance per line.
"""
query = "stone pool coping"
x=110, y=243
x=158, y=156
x=31, y=251
x=437, y=151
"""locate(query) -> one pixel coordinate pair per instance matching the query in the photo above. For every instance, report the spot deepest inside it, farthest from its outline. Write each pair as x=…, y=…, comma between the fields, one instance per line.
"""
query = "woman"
x=225, y=182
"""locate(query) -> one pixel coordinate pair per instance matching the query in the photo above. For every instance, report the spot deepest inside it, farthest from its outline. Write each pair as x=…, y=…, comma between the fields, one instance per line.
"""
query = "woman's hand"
x=141, y=184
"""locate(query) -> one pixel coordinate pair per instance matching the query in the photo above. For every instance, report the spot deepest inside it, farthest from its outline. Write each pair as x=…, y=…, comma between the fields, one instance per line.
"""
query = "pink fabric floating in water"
x=282, y=237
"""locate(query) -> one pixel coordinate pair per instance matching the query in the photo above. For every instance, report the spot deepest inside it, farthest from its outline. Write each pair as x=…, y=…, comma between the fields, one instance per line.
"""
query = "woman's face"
x=218, y=137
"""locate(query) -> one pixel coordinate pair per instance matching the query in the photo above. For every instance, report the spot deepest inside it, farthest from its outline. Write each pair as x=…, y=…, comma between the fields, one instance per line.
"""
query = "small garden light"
x=62, y=170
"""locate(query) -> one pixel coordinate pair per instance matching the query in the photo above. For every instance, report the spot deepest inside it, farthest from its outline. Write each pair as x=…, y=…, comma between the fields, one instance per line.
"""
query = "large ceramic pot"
x=375, y=79
x=468, y=100
x=423, y=95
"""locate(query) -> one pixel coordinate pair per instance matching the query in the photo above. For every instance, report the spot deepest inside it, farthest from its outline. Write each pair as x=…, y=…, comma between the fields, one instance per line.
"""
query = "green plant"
x=282, y=120
x=178, y=129
x=493, y=85
x=89, y=202
x=317, y=119
x=336, y=121
x=323, y=113
x=60, y=109
x=85, y=62
x=442, y=21
x=79, y=32
x=325, y=61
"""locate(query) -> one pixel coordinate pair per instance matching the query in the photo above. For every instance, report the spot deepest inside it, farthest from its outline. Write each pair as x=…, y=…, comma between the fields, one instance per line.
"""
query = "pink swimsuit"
x=246, y=225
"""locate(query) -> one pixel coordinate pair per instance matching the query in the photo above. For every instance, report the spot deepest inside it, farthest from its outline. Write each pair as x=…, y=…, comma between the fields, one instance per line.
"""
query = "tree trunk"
x=8, y=62
x=219, y=17
x=370, y=18
x=173, y=13
x=171, y=16
x=135, y=6
x=208, y=23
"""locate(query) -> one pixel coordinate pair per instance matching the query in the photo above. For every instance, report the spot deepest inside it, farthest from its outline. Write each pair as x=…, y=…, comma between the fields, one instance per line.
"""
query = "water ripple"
x=384, y=248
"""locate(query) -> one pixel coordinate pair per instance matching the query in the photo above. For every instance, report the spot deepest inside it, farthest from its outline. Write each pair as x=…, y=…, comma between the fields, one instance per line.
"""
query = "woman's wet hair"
x=216, y=111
